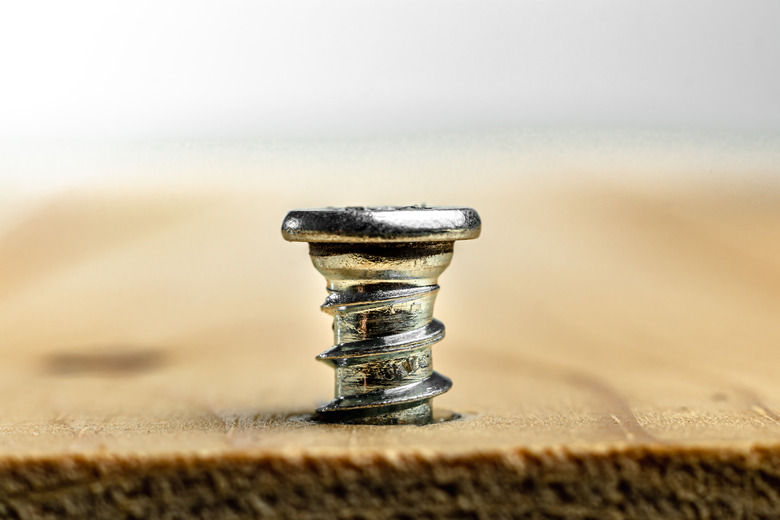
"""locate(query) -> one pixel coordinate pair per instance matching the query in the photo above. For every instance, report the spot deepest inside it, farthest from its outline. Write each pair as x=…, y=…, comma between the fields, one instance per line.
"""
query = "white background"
x=356, y=68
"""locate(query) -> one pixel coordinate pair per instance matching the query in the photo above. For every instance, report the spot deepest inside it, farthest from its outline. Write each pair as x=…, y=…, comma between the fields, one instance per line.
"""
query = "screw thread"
x=382, y=354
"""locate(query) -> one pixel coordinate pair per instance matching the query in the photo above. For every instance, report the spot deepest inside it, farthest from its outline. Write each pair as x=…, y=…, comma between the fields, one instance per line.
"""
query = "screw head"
x=381, y=224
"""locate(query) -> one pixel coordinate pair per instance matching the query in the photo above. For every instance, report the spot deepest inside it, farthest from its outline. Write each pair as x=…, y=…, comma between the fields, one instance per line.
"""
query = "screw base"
x=419, y=413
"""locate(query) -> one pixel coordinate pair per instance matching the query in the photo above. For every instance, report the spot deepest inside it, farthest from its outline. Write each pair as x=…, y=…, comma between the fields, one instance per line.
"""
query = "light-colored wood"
x=613, y=344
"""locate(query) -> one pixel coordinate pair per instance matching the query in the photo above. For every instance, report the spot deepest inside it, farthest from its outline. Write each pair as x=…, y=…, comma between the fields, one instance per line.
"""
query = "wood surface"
x=613, y=345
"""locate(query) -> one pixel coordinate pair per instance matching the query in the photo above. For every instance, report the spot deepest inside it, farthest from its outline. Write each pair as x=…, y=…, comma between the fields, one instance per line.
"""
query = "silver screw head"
x=381, y=224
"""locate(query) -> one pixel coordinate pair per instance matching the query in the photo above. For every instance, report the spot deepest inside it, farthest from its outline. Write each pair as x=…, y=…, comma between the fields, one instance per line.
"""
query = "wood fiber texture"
x=613, y=348
x=634, y=483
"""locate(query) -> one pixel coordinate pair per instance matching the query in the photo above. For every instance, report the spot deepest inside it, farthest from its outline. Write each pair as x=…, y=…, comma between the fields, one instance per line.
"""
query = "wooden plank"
x=613, y=348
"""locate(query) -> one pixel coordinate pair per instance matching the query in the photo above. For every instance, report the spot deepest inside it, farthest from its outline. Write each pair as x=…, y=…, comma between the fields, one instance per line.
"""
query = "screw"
x=382, y=266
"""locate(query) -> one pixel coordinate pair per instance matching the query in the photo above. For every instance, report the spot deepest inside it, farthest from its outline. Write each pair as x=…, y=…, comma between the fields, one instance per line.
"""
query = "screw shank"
x=381, y=297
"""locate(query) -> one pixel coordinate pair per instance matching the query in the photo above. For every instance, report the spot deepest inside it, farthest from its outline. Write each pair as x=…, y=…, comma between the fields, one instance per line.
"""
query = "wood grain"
x=613, y=347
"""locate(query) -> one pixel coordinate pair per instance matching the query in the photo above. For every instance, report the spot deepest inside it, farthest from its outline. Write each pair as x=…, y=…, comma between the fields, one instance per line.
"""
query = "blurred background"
x=624, y=151
x=189, y=70
x=152, y=79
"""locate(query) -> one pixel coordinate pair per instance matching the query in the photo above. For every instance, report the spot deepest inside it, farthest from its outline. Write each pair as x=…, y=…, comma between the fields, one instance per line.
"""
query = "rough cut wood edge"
x=634, y=482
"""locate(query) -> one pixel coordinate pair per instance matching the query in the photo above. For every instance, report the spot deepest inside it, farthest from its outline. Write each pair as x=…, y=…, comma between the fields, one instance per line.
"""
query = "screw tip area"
x=381, y=224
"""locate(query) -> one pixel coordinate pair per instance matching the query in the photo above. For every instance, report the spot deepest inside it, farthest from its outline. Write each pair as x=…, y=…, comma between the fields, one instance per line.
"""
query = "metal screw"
x=381, y=266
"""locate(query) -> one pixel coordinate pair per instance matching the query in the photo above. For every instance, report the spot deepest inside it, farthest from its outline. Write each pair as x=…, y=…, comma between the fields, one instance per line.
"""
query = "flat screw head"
x=381, y=224
x=382, y=266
